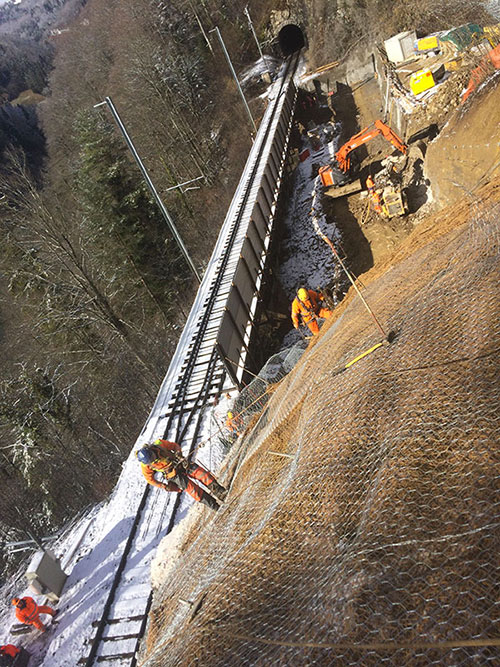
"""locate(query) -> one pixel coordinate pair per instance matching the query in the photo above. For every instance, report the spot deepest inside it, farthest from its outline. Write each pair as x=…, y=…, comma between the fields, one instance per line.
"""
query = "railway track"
x=197, y=373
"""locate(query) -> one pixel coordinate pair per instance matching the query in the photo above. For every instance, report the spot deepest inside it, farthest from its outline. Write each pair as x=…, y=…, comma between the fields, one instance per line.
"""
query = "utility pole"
x=216, y=29
x=149, y=182
x=247, y=13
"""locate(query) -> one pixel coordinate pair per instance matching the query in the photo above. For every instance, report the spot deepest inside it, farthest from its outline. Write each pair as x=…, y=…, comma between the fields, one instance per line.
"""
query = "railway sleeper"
x=203, y=359
x=190, y=405
x=118, y=656
x=125, y=619
x=108, y=658
x=117, y=647
x=195, y=385
x=192, y=398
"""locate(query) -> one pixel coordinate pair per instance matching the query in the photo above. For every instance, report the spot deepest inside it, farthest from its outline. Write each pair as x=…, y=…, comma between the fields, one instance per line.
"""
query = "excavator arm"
x=342, y=155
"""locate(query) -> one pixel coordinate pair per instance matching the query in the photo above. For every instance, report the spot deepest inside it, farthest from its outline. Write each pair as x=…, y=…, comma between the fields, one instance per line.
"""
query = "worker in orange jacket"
x=307, y=306
x=10, y=650
x=166, y=457
x=376, y=200
x=234, y=423
x=28, y=611
x=8, y=653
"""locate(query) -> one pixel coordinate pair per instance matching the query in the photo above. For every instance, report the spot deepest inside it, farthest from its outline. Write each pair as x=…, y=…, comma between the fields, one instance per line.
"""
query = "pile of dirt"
x=367, y=237
x=464, y=155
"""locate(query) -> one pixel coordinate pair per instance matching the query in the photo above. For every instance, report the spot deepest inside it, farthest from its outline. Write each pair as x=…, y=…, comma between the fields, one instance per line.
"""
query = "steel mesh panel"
x=377, y=542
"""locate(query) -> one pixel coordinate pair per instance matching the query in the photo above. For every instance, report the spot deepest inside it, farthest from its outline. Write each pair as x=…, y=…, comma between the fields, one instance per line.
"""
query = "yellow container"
x=492, y=33
x=421, y=80
x=428, y=43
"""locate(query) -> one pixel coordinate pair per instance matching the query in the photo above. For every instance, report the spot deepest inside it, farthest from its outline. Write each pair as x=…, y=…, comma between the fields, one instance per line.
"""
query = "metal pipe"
x=180, y=185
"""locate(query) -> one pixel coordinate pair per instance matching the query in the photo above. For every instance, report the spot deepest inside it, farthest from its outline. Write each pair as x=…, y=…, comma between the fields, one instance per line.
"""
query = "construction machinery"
x=339, y=176
x=393, y=202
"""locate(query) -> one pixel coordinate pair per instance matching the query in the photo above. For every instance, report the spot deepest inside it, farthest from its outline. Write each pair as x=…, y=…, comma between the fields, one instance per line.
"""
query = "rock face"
x=466, y=153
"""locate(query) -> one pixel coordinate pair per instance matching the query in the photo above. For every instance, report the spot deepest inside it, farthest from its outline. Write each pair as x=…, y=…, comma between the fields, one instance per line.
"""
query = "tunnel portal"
x=291, y=39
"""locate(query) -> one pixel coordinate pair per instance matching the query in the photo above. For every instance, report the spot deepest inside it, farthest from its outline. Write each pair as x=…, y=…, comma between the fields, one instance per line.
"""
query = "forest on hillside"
x=93, y=289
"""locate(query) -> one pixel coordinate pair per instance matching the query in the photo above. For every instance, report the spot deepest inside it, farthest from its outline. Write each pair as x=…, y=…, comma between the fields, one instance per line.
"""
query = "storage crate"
x=400, y=47
x=46, y=575
x=429, y=43
x=421, y=80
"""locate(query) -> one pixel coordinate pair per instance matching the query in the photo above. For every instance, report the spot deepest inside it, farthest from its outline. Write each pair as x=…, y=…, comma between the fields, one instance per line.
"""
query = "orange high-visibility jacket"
x=234, y=423
x=376, y=200
x=306, y=309
x=9, y=649
x=164, y=465
x=29, y=613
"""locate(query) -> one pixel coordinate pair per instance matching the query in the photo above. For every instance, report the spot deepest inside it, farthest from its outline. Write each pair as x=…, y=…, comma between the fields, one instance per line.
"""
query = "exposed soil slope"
x=471, y=141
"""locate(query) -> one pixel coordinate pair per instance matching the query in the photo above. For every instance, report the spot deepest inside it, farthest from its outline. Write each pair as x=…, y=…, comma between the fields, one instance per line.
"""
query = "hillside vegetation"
x=94, y=289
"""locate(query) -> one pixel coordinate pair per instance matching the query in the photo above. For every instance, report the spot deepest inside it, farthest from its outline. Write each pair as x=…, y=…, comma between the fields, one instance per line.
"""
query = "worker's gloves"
x=171, y=487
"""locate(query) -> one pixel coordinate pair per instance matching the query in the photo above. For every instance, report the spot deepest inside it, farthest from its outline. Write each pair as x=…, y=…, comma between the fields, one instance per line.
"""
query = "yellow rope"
x=363, y=354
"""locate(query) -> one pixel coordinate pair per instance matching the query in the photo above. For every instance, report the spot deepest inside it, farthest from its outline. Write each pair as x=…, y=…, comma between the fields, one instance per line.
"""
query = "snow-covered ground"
x=90, y=552
x=308, y=260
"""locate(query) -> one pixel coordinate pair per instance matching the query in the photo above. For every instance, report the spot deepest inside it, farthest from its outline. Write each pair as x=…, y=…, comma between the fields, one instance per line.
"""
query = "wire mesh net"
x=362, y=524
x=254, y=397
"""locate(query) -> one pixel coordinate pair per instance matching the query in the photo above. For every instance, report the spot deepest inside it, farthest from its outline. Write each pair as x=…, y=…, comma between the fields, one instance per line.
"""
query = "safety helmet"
x=302, y=293
x=15, y=601
x=147, y=454
x=229, y=415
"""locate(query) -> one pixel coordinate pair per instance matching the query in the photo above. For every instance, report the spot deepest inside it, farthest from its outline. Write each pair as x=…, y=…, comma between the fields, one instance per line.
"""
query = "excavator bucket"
x=344, y=190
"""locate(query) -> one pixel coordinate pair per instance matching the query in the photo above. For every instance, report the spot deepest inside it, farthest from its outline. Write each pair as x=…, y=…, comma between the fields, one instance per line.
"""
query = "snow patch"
x=171, y=547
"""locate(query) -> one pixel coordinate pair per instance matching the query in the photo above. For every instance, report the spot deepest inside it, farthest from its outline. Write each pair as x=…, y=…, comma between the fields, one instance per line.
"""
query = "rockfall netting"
x=253, y=398
x=374, y=537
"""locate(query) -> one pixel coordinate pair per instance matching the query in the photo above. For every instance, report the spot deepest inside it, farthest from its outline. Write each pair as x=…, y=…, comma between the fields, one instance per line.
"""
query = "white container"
x=400, y=47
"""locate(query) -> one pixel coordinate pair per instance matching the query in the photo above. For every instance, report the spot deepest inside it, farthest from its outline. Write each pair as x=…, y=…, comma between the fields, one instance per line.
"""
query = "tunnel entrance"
x=291, y=39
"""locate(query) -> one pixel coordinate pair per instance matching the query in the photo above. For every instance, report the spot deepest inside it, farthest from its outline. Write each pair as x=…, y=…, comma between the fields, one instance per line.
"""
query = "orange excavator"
x=339, y=173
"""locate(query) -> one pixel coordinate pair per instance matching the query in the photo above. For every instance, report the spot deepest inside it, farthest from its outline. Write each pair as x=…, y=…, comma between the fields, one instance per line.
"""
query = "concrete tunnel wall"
x=290, y=39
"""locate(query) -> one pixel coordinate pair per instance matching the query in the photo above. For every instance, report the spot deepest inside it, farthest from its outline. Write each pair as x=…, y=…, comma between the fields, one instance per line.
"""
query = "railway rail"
x=199, y=370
